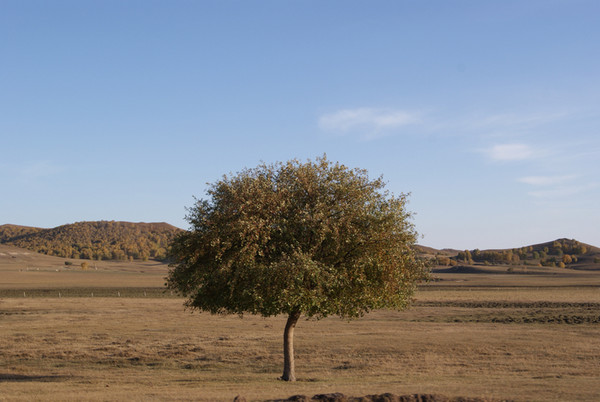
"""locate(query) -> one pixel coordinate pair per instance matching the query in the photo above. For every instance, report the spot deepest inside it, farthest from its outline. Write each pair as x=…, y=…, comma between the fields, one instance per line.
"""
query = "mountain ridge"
x=428, y=249
x=99, y=240
x=122, y=240
x=562, y=253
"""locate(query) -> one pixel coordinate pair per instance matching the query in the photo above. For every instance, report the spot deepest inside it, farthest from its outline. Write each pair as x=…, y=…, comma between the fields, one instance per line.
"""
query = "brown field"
x=519, y=336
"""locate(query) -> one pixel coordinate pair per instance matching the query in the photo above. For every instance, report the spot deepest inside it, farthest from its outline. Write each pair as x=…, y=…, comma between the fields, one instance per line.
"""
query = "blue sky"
x=487, y=112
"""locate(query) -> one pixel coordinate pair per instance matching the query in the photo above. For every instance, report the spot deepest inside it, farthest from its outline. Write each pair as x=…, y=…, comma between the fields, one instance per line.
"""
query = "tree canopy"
x=313, y=239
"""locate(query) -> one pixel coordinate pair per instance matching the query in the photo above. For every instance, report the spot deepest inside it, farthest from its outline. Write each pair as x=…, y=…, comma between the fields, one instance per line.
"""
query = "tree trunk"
x=288, y=347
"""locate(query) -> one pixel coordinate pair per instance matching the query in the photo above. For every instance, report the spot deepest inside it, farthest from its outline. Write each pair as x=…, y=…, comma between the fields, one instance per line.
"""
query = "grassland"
x=533, y=336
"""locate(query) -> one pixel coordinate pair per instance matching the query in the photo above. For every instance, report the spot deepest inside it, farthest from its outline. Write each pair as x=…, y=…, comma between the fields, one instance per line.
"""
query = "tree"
x=465, y=256
x=313, y=239
x=516, y=259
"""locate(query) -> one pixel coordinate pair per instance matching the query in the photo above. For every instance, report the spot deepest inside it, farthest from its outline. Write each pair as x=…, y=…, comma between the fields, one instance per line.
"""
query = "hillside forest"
x=113, y=240
x=100, y=240
x=560, y=253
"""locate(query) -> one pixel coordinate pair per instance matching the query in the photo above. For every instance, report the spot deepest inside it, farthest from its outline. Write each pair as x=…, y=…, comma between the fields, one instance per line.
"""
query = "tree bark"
x=289, y=373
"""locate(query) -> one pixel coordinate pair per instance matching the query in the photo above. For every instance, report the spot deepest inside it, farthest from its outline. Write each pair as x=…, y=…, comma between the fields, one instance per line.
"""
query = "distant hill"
x=430, y=251
x=8, y=232
x=110, y=240
x=561, y=253
x=100, y=240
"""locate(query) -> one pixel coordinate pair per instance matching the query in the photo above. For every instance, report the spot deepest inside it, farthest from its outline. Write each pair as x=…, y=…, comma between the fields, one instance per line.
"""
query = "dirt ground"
x=522, y=337
x=139, y=349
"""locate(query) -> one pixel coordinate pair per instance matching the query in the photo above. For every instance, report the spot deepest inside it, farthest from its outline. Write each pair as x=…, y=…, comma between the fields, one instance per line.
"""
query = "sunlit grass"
x=150, y=348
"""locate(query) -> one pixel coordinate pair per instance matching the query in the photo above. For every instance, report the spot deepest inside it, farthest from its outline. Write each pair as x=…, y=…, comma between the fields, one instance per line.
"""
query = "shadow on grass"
x=30, y=378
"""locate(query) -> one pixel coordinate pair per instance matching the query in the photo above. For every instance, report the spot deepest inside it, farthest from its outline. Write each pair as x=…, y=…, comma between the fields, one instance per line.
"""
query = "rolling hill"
x=99, y=240
x=562, y=253
x=110, y=240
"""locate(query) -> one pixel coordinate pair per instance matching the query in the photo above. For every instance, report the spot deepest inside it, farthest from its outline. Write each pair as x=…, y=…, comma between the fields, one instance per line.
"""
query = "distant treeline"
x=558, y=253
x=103, y=240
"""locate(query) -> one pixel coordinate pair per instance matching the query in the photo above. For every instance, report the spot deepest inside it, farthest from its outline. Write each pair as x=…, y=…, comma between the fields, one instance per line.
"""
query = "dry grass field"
x=522, y=337
x=23, y=269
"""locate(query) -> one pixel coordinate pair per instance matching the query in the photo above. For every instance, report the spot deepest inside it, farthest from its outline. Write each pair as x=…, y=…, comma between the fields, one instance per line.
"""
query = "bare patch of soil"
x=387, y=397
x=30, y=378
x=539, y=312
x=508, y=304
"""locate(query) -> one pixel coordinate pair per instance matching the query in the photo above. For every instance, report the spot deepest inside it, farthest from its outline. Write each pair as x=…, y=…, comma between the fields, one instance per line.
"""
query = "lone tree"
x=313, y=239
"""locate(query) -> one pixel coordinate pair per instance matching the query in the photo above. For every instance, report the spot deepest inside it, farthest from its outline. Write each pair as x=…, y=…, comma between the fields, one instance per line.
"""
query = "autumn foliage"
x=312, y=239
x=101, y=240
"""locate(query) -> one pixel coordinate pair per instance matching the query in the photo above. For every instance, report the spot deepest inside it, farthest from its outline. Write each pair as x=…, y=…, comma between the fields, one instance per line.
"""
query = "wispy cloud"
x=510, y=152
x=493, y=125
x=557, y=186
x=515, y=121
x=39, y=170
x=369, y=122
x=546, y=180
x=563, y=191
